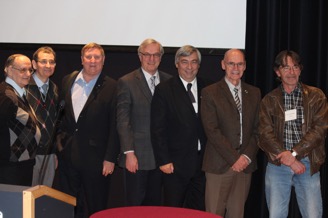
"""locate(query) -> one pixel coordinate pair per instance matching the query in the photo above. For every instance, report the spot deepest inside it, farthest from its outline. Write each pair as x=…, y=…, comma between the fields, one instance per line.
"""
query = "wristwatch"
x=294, y=153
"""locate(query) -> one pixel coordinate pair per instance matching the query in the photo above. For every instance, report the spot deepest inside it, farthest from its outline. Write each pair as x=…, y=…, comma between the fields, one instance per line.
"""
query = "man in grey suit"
x=230, y=117
x=142, y=180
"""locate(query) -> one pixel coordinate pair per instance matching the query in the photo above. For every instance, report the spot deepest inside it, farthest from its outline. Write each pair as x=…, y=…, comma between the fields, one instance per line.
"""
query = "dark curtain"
x=272, y=26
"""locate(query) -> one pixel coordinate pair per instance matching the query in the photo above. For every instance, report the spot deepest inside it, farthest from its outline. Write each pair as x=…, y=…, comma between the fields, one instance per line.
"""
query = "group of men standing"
x=181, y=140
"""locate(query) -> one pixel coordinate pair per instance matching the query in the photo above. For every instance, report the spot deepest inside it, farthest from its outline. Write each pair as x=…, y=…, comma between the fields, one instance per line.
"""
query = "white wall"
x=202, y=23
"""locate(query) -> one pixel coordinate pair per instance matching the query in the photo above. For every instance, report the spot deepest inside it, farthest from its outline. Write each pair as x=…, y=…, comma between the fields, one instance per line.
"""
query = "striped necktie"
x=237, y=99
x=152, y=84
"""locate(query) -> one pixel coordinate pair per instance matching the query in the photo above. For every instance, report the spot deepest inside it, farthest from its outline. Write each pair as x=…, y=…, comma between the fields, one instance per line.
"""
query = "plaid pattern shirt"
x=293, y=128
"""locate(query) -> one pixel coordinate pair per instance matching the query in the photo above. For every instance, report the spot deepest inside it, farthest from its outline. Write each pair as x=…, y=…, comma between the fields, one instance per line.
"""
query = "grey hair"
x=148, y=42
x=185, y=51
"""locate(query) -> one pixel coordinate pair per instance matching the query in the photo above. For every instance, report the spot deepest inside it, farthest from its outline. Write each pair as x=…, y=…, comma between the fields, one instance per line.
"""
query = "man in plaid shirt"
x=293, y=125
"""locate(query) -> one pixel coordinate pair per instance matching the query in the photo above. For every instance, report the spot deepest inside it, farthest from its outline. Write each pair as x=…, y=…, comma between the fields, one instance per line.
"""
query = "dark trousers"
x=18, y=173
x=183, y=191
x=143, y=187
x=90, y=188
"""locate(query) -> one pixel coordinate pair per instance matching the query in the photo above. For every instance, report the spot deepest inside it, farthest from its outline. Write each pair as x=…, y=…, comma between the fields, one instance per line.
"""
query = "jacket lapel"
x=143, y=85
x=96, y=89
x=68, y=86
x=181, y=95
x=245, y=99
x=223, y=87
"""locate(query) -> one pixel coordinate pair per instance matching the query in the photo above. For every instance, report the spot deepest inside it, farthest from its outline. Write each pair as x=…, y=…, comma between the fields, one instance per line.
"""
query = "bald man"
x=19, y=133
x=230, y=117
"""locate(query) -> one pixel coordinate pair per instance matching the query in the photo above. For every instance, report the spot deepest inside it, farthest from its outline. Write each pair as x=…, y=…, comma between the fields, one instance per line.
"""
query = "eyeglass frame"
x=288, y=68
x=147, y=55
x=44, y=62
x=233, y=64
x=23, y=70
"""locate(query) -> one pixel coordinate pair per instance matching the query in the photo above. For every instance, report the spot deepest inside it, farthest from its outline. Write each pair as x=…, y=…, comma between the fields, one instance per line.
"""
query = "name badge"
x=290, y=115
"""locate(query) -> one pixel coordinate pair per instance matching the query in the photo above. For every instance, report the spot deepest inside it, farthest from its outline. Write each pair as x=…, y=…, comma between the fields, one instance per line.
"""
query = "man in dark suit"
x=177, y=134
x=87, y=139
x=142, y=179
x=230, y=117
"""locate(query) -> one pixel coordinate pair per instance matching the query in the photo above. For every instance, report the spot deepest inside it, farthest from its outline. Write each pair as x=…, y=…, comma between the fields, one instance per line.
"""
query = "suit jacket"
x=133, y=118
x=175, y=126
x=221, y=122
x=93, y=138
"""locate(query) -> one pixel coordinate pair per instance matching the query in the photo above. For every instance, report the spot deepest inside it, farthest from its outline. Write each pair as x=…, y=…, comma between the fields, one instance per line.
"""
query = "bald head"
x=18, y=67
x=234, y=65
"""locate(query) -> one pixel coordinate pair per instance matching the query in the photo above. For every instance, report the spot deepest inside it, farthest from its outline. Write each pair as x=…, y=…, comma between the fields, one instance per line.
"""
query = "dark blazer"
x=133, y=117
x=175, y=127
x=93, y=138
x=221, y=122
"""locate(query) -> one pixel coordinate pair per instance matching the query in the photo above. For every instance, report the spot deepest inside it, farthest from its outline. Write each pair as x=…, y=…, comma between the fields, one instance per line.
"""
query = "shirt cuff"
x=125, y=152
x=249, y=160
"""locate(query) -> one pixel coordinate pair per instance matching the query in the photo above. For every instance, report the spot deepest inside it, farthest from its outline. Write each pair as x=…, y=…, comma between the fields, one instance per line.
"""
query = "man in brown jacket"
x=230, y=118
x=293, y=125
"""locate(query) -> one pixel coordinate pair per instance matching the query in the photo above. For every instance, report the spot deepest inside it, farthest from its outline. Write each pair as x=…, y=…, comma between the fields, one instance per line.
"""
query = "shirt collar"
x=19, y=90
x=80, y=80
x=148, y=75
x=185, y=83
x=231, y=86
x=38, y=82
x=298, y=88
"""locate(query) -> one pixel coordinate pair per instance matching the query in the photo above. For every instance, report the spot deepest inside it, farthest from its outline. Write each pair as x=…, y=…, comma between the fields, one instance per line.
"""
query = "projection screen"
x=202, y=23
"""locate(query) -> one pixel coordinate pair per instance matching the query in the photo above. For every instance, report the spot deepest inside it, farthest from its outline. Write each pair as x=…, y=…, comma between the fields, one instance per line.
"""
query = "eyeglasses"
x=44, y=62
x=95, y=57
x=147, y=55
x=30, y=70
x=233, y=64
x=288, y=68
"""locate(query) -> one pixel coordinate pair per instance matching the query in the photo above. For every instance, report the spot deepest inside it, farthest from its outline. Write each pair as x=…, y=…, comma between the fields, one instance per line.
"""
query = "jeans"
x=278, y=183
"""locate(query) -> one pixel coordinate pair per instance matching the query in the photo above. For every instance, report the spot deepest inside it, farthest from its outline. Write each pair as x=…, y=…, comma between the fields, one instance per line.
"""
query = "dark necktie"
x=237, y=99
x=191, y=96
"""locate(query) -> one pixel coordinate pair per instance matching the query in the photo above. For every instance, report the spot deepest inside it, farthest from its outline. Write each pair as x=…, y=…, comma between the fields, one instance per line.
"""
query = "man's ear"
x=34, y=64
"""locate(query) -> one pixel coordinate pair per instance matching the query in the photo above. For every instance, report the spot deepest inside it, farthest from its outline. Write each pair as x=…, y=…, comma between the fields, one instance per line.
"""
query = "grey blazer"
x=133, y=118
x=221, y=122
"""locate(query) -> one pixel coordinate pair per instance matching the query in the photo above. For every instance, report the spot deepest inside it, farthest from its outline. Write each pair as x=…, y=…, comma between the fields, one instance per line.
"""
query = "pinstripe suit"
x=133, y=125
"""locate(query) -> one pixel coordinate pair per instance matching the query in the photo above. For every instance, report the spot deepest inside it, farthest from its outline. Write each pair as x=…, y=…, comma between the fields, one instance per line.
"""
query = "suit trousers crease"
x=143, y=187
x=227, y=193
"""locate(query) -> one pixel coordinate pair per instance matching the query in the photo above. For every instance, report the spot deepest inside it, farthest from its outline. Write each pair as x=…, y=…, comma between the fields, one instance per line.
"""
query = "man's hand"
x=240, y=164
x=108, y=168
x=286, y=158
x=167, y=168
x=298, y=167
x=131, y=162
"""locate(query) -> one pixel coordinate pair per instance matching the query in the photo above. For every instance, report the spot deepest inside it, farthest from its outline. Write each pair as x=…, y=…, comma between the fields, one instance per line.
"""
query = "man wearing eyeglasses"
x=19, y=131
x=42, y=94
x=293, y=126
x=142, y=179
x=230, y=117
